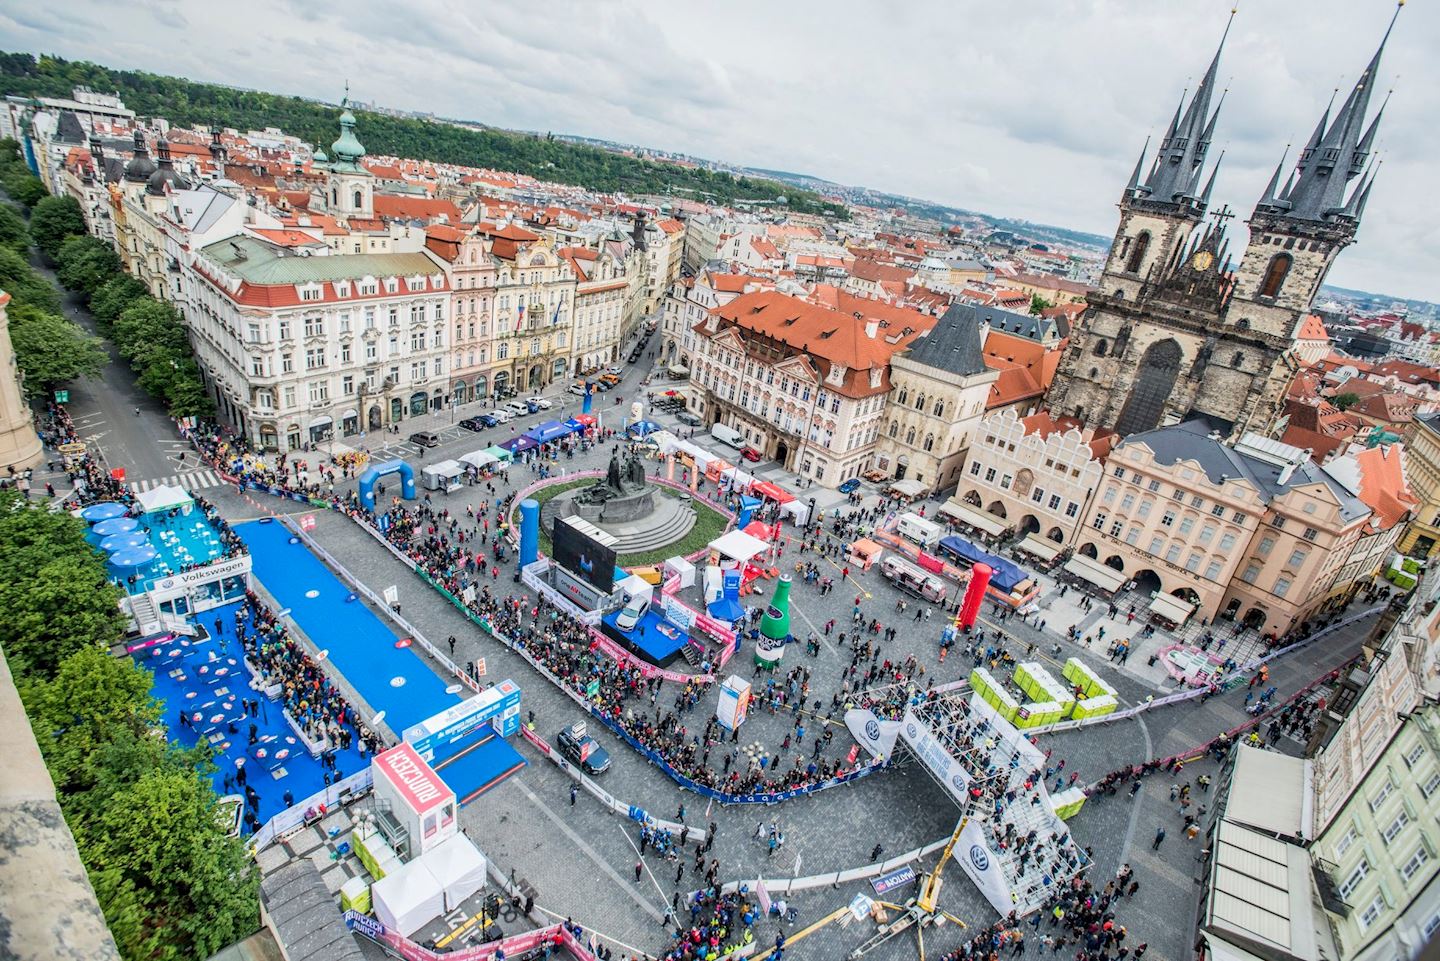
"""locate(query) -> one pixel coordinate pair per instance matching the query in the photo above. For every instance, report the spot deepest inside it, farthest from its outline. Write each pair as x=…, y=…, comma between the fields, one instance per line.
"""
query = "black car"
x=473, y=423
x=582, y=749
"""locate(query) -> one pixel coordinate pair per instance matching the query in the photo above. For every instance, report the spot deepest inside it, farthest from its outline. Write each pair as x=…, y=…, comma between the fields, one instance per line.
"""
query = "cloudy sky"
x=1034, y=110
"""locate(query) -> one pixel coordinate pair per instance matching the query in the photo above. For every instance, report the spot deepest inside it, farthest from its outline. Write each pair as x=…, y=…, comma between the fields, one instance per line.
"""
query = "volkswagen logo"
x=979, y=858
x=910, y=730
x=959, y=782
x=872, y=729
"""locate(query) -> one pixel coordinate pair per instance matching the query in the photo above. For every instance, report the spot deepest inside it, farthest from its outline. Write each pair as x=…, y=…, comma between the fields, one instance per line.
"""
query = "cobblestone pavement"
x=581, y=859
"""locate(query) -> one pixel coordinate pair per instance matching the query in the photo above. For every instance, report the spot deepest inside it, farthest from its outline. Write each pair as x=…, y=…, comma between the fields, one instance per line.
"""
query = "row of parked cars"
x=507, y=412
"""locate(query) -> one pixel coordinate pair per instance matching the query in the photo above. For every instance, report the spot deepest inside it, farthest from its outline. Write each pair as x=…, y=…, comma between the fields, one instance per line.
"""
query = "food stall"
x=863, y=553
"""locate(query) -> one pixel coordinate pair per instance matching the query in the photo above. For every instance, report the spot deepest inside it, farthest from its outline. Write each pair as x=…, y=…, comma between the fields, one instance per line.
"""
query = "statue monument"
x=623, y=503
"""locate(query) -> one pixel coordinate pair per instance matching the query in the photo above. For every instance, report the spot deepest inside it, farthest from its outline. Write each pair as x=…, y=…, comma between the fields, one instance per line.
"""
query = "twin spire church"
x=1176, y=330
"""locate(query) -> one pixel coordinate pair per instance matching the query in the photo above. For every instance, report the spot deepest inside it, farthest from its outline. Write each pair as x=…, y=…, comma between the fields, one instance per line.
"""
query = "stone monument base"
x=643, y=522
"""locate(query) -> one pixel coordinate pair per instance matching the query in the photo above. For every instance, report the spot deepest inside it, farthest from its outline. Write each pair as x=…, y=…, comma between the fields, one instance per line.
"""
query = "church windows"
x=1137, y=253
x=1275, y=275
x=1101, y=347
x=1239, y=360
x=359, y=200
x=895, y=429
x=920, y=402
x=1094, y=373
x=334, y=197
x=929, y=442
x=904, y=394
x=910, y=436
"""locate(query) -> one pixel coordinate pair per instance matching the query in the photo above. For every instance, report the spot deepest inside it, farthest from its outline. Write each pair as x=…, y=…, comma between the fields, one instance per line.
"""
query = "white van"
x=728, y=435
x=917, y=529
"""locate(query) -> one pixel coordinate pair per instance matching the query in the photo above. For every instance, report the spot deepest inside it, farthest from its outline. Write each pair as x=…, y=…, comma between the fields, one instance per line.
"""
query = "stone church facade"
x=1174, y=330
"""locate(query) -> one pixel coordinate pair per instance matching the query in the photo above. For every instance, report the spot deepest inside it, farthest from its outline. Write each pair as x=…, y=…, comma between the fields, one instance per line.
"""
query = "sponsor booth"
x=447, y=476
x=418, y=799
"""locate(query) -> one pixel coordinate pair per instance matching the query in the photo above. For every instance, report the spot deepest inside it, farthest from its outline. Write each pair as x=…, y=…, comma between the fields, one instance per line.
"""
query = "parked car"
x=688, y=419
x=609, y=378
x=489, y=420
x=751, y=454
x=601, y=385
x=582, y=749
x=849, y=485
x=539, y=402
x=473, y=423
x=502, y=414
x=425, y=438
x=617, y=371
x=577, y=389
x=518, y=407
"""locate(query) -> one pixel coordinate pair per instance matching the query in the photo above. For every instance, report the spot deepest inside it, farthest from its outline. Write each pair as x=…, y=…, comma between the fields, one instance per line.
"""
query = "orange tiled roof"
x=1382, y=485
x=391, y=207
x=285, y=238
x=1313, y=328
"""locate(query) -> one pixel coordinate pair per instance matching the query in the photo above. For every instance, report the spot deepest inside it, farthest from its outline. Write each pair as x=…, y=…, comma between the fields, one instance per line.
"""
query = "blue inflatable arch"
x=373, y=474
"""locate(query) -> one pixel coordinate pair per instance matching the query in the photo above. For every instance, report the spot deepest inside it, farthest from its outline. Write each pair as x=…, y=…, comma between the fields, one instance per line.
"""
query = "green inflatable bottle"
x=774, y=627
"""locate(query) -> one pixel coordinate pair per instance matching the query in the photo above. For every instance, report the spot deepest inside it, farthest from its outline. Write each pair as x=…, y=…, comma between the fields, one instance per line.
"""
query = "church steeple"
x=1335, y=154
x=1175, y=178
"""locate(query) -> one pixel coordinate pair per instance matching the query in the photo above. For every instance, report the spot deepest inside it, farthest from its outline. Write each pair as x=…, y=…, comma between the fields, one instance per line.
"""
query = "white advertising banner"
x=871, y=733
x=947, y=770
x=982, y=863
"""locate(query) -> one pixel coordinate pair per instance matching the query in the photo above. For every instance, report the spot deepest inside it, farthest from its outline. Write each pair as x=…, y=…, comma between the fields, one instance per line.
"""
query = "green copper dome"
x=347, y=149
x=320, y=157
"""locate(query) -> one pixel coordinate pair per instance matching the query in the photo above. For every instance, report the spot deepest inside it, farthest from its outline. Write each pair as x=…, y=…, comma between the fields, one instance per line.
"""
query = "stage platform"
x=654, y=638
x=361, y=647
x=476, y=764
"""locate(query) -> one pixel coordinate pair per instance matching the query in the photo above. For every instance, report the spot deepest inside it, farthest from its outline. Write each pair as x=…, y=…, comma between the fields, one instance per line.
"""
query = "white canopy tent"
x=163, y=498
x=479, y=459
x=738, y=545
x=459, y=867
x=662, y=439
x=406, y=898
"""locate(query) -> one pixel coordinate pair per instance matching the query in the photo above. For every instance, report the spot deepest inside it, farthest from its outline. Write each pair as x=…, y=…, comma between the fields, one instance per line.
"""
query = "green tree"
x=114, y=296
x=54, y=596
x=171, y=883
x=23, y=284
x=53, y=220
x=24, y=187
x=13, y=233
x=51, y=350
x=187, y=396
x=1038, y=304
x=86, y=263
x=1346, y=400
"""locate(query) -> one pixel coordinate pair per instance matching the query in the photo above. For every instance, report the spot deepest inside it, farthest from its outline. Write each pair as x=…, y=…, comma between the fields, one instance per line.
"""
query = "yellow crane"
x=923, y=911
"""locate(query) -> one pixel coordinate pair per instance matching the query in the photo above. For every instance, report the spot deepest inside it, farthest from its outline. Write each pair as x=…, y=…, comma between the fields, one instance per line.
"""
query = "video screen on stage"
x=584, y=556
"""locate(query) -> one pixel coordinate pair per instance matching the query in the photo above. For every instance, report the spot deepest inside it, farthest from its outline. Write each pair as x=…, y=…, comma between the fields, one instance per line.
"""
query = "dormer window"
x=310, y=292
x=392, y=286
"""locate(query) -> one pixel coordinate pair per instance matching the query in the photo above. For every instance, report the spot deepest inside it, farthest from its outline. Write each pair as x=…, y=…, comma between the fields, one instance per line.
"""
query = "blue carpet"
x=362, y=648
x=474, y=766
x=179, y=681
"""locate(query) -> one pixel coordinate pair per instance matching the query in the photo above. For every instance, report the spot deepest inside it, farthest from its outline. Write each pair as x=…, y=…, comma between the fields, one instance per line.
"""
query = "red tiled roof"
x=1382, y=485
x=285, y=238
x=391, y=207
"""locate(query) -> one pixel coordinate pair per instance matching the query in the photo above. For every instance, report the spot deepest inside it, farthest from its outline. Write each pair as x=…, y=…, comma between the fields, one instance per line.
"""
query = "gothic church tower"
x=1173, y=332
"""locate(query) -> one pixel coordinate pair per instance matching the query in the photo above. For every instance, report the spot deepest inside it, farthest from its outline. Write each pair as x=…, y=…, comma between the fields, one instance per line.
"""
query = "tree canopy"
x=13, y=232
x=53, y=220
x=188, y=103
x=51, y=350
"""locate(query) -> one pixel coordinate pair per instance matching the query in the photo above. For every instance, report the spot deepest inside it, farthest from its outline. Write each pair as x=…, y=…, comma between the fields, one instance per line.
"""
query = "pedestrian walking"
x=574, y=791
x=638, y=868
x=1159, y=839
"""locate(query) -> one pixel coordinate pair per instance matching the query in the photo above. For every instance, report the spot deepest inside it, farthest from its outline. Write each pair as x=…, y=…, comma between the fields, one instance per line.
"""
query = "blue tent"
x=516, y=445
x=642, y=427
x=548, y=431
x=1006, y=575
x=116, y=543
x=115, y=525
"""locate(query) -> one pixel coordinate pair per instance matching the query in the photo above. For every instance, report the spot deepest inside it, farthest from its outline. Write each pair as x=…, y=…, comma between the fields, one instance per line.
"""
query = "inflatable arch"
x=373, y=474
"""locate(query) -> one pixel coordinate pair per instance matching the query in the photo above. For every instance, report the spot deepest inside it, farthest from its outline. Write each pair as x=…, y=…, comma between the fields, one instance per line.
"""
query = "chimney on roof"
x=872, y=327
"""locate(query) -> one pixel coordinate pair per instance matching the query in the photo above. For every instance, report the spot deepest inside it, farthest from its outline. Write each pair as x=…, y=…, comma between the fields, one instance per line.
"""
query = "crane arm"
x=932, y=883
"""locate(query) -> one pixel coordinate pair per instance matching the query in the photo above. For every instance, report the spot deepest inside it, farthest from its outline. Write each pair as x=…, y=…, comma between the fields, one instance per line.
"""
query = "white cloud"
x=1033, y=111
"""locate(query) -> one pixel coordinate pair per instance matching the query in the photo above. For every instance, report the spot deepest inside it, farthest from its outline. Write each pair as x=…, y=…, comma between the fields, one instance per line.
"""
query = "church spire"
x=1337, y=156
x=1135, y=176
x=1177, y=172
x=1269, y=196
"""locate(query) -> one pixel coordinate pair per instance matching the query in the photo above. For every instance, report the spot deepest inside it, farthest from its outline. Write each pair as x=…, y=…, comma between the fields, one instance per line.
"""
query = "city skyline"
x=1033, y=149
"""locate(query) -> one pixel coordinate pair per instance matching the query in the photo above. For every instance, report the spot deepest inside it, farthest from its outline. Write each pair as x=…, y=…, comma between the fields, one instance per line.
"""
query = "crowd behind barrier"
x=665, y=740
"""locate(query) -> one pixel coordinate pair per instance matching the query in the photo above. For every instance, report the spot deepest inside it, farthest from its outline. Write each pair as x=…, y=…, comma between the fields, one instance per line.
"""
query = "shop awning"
x=1171, y=607
x=676, y=370
x=979, y=520
x=1103, y=577
x=909, y=487
x=771, y=492
x=1041, y=547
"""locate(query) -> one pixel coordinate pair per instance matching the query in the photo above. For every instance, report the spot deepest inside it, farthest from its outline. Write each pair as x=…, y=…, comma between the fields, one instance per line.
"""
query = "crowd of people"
x=1077, y=917
x=91, y=483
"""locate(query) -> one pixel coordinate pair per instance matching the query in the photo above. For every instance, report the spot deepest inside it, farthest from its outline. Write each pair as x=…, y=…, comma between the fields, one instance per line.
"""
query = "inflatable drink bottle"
x=774, y=627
